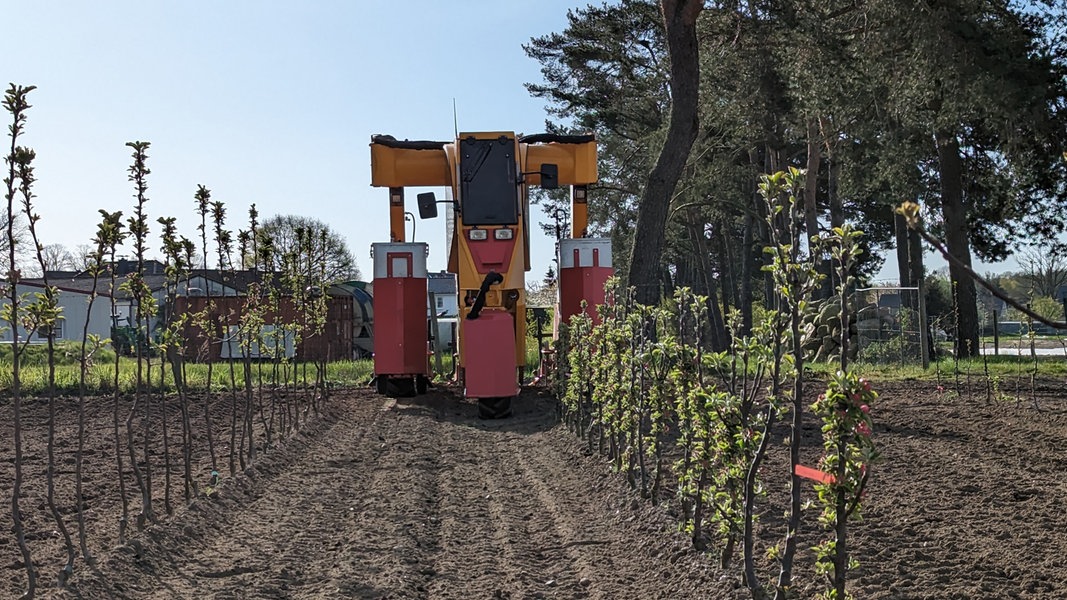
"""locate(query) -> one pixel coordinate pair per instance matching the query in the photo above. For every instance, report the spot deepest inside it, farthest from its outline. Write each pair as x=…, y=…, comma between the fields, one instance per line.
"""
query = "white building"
x=75, y=290
x=73, y=301
x=442, y=290
x=442, y=286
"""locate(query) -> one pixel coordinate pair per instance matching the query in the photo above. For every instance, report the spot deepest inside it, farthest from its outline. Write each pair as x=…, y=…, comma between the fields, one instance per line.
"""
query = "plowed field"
x=418, y=498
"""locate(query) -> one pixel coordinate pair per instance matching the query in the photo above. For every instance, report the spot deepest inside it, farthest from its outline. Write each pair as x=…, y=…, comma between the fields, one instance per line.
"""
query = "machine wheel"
x=381, y=384
x=421, y=383
x=494, y=408
x=402, y=387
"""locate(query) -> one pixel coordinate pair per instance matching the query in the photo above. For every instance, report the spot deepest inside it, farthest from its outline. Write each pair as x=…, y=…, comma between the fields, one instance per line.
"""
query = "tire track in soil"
x=321, y=528
x=391, y=524
x=496, y=527
x=521, y=521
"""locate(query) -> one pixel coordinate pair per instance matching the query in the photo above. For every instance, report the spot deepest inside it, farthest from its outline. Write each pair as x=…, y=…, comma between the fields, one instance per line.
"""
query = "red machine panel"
x=489, y=364
x=400, y=330
x=400, y=326
x=584, y=268
x=492, y=254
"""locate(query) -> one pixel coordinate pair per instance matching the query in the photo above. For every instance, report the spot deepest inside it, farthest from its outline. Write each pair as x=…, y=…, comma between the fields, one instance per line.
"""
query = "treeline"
x=958, y=105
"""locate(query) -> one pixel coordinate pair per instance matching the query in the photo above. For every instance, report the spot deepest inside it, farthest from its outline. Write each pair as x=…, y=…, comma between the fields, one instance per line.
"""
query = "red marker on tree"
x=814, y=474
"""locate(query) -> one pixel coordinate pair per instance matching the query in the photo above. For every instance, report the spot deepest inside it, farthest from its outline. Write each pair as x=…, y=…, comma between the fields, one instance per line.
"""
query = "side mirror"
x=427, y=205
x=549, y=176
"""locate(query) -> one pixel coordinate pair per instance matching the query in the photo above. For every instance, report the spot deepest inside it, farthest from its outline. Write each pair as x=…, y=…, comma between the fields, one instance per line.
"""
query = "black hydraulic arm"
x=479, y=303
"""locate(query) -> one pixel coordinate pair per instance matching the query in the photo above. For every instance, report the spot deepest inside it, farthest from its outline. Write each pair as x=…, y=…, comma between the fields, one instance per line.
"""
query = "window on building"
x=42, y=332
x=440, y=302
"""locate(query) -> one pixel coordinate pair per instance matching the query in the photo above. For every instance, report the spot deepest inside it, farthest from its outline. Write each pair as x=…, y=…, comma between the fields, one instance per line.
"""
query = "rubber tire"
x=402, y=387
x=381, y=383
x=494, y=408
x=421, y=383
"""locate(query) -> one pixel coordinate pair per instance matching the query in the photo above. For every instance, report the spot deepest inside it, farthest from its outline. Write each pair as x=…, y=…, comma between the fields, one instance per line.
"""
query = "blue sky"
x=265, y=102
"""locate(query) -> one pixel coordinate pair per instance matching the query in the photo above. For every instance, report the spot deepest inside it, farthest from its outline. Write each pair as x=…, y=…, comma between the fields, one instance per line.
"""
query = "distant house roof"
x=77, y=286
x=53, y=275
x=82, y=282
x=151, y=267
x=236, y=280
x=441, y=283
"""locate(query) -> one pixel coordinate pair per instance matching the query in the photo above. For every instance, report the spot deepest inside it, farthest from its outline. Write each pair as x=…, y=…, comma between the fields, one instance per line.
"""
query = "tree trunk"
x=715, y=320
x=811, y=184
x=837, y=209
x=748, y=249
x=811, y=211
x=667, y=281
x=915, y=260
x=957, y=241
x=679, y=18
x=837, y=212
x=747, y=268
x=900, y=231
x=687, y=274
x=728, y=270
x=907, y=256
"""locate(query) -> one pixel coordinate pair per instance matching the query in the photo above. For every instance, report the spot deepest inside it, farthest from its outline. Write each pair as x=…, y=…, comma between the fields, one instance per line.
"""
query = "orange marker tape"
x=814, y=474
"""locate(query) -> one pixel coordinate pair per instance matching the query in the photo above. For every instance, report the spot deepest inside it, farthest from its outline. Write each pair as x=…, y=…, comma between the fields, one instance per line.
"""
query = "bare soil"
x=968, y=501
x=418, y=498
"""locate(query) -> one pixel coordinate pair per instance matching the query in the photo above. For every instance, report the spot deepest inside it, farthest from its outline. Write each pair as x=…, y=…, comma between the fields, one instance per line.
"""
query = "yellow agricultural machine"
x=489, y=175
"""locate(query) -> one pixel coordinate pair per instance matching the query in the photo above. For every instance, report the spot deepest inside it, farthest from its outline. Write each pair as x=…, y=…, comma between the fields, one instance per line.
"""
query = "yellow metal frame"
x=399, y=167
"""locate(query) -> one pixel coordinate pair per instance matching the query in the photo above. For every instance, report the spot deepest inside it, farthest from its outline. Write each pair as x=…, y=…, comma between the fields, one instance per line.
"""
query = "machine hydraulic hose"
x=490, y=279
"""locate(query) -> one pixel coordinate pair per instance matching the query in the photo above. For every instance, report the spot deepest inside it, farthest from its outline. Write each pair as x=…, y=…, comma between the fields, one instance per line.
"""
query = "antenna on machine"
x=455, y=118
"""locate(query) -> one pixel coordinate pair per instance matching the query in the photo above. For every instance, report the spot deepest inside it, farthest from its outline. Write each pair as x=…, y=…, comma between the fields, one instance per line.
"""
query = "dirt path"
x=420, y=499
x=414, y=499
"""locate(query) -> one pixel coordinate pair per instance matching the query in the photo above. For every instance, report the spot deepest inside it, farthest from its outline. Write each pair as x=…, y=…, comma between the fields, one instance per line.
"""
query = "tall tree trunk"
x=770, y=298
x=837, y=211
x=909, y=275
x=679, y=18
x=715, y=321
x=811, y=207
x=747, y=268
x=811, y=185
x=728, y=270
x=958, y=242
x=915, y=261
x=748, y=250
x=668, y=281
x=900, y=231
x=688, y=275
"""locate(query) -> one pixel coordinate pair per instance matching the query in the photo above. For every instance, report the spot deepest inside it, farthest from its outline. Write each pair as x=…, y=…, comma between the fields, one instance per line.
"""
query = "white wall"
x=75, y=313
x=446, y=303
